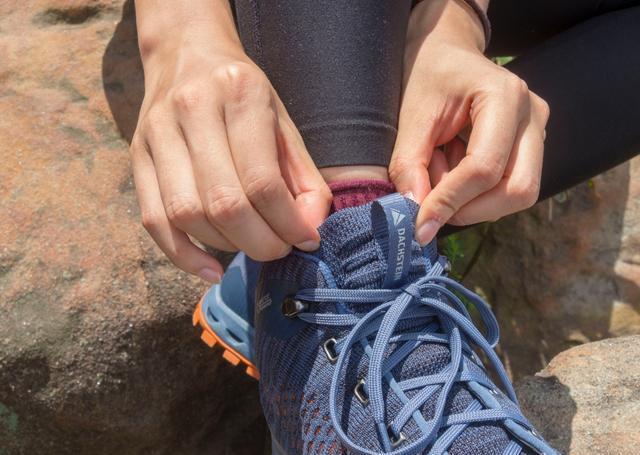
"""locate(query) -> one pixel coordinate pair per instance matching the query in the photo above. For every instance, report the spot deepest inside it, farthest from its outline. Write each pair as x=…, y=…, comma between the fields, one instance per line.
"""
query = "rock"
x=563, y=273
x=97, y=353
x=587, y=401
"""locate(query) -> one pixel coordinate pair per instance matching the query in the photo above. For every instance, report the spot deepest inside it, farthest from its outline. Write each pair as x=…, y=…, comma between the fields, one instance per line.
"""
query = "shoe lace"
x=434, y=299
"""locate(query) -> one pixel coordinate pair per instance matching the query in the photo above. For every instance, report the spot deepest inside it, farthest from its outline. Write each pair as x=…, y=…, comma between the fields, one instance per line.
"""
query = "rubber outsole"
x=212, y=339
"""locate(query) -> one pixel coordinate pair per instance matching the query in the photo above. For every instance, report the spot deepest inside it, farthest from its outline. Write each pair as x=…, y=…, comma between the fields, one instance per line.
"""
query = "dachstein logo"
x=399, y=263
x=263, y=303
x=397, y=217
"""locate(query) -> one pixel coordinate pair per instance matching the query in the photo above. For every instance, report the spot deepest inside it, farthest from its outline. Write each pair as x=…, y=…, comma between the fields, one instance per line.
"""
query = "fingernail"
x=427, y=232
x=308, y=245
x=209, y=275
x=409, y=195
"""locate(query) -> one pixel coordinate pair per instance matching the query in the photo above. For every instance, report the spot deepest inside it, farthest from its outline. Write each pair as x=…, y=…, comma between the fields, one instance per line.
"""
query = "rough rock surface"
x=563, y=273
x=97, y=353
x=587, y=401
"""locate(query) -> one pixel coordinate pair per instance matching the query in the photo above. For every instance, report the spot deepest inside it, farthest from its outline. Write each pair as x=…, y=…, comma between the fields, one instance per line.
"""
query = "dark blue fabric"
x=337, y=66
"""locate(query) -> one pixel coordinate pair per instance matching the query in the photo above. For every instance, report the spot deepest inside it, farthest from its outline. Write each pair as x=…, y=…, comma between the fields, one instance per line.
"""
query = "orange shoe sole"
x=212, y=339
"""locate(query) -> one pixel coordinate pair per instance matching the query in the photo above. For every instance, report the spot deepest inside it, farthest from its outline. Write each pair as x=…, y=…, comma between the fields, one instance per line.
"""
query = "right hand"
x=216, y=157
x=453, y=92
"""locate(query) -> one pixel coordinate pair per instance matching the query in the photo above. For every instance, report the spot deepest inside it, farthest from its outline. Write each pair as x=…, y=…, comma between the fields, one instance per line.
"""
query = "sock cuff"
x=352, y=193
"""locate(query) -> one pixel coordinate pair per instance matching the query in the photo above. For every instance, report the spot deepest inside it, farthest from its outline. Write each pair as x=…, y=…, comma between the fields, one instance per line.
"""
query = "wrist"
x=186, y=46
x=167, y=28
x=453, y=21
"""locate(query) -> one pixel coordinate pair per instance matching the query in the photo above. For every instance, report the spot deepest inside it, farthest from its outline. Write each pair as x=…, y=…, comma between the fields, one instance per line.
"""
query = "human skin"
x=215, y=154
x=216, y=157
x=452, y=91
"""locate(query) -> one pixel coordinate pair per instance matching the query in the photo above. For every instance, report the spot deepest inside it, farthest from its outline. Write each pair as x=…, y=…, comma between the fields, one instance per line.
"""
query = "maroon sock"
x=352, y=193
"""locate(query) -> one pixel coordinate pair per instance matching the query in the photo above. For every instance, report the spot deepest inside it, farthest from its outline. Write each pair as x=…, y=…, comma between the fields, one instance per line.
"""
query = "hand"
x=470, y=136
x=216, y=157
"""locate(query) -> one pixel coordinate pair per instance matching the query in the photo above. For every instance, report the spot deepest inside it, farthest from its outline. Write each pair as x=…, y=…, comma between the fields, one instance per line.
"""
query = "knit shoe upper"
x=367, y=347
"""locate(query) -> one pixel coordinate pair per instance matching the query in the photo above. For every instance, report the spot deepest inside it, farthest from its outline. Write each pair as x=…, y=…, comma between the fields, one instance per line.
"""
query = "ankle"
x=352, y=173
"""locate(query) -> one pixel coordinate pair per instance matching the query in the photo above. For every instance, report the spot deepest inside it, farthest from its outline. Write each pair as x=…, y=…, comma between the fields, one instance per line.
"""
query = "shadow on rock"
x=548, y=405
x=561, y=274
x=222, y=413
x=122, y=75
x=587, y=399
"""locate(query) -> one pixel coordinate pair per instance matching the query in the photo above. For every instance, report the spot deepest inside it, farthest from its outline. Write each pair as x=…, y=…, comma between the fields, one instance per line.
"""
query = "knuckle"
x=178, y=254
x=531, y=194
x=546, y=110
x=242, y=80
x=523, y=88
x=226, y=206
x=263, y=188
x=188, y=97
x=400, y=166
x=458, y=220
x=517, y=88
x=486, y=171
x=526, y=194
x=137, y=145
x=396, y=168
x=155, y=115
x=516, y=84
x=445, y=206
x=183, y=210
x=324, y=193
x=151, y=127
x=542, y=106
x=223, y=245
x=150, y=220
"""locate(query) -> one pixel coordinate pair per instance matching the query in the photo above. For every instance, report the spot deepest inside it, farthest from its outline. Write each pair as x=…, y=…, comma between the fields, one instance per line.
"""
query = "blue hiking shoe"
x=367, y=347
x=225, y=313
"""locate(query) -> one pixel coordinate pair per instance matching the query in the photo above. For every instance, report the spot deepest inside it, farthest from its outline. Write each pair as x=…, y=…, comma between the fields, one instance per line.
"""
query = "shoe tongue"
x=372, y=246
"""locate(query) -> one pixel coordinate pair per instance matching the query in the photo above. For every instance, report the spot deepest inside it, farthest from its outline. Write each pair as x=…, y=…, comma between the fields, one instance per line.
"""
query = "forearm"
x=166, y=26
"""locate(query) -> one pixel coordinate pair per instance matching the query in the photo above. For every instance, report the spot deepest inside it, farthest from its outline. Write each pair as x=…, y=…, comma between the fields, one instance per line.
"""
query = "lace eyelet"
x=329, y=347
x=291, y=307
x=535, y=434
x=360, y=394
x=395, y=440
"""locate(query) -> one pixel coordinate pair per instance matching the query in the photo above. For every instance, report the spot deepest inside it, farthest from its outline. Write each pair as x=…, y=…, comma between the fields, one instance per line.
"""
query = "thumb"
x=411, y=156
x=315, y=204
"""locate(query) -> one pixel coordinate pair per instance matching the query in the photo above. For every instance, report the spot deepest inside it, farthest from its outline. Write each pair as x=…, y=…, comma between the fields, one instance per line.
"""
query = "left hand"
x=449, y=88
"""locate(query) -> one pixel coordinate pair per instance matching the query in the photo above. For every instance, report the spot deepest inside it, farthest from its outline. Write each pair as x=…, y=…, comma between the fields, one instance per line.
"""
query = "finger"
x=174, y=243
x=254, y=144
x=312, y=195
x=494, y=126
x=226, y=206
x=519, y=189
x=438, y=167
x=178, y=189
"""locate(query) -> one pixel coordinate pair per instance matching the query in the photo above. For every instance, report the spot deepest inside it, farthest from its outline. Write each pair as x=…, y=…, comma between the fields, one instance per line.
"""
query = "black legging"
x=337, y=65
